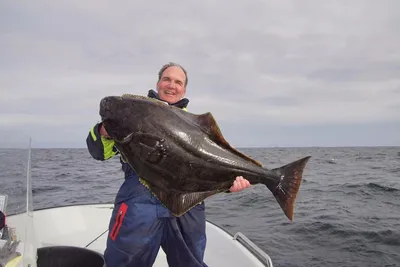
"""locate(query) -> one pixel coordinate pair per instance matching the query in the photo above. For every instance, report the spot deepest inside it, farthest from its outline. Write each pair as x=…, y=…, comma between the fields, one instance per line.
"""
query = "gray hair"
x=172, y=64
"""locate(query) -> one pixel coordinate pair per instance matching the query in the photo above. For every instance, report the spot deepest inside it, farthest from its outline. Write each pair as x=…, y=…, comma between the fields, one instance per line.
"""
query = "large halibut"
x=184, y=158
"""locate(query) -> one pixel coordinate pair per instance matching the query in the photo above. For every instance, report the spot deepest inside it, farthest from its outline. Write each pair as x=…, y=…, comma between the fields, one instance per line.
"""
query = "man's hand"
x=8, y=252
x=239, y=184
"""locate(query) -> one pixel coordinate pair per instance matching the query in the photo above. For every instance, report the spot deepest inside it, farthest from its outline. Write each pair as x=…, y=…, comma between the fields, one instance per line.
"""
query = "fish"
x=183, y=158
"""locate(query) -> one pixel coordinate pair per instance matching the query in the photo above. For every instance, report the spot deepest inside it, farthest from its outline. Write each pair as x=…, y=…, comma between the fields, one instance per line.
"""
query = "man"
x=140, y=224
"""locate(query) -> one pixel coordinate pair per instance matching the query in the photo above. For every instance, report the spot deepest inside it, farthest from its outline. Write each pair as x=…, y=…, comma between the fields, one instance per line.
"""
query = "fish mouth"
x=107, y=112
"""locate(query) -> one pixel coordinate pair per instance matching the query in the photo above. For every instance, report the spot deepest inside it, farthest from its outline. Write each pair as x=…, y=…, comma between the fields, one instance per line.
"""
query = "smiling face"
x=171, y=86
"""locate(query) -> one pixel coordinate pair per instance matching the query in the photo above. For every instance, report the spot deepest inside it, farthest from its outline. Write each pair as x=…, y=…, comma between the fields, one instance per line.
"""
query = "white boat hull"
x=86, y=226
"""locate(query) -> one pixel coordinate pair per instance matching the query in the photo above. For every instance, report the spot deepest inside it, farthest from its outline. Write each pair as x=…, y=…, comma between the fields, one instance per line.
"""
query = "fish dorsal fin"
x=209, y=125
x=140, y=97
x=129, y=96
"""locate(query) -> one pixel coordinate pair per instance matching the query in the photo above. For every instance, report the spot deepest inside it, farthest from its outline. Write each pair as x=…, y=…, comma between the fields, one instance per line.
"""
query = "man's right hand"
x=103, y=131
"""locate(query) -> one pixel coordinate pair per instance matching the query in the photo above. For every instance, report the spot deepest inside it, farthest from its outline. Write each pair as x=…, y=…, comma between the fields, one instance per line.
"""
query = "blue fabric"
x=147, y=225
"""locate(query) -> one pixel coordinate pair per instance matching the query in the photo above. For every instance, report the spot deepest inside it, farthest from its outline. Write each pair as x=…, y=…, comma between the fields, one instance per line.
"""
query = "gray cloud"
x=285, y=63
x=372, y=71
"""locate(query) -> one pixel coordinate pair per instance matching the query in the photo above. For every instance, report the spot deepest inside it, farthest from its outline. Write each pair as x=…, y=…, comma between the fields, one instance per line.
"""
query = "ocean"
x=347, y=212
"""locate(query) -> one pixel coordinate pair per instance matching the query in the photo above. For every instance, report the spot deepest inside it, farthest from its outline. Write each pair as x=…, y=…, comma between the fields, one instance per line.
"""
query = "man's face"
x=171, y=87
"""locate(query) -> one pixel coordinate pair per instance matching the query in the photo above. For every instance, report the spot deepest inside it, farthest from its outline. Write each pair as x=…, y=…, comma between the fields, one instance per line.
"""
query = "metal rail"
x=261, y=255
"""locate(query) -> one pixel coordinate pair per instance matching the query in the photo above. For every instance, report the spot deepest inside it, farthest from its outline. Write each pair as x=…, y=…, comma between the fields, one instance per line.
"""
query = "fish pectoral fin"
x=152, y=148
x=180, y=203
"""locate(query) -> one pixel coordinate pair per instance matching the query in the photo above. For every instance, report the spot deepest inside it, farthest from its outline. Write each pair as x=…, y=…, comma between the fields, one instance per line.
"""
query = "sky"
x=273, y=73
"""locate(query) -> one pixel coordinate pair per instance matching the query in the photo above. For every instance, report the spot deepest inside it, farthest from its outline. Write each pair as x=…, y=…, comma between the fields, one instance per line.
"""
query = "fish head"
x=107, y=107
x=123, y=116
x=117, y=114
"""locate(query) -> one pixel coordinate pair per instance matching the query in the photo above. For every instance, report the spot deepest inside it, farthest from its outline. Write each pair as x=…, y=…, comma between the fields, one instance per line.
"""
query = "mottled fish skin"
x=183, y=158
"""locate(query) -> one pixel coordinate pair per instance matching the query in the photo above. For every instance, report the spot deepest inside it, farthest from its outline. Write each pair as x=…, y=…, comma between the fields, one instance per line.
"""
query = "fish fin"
x=178, y=202
x=143, y=98
x=209, y=125
x=129, y=95
x=286, y=190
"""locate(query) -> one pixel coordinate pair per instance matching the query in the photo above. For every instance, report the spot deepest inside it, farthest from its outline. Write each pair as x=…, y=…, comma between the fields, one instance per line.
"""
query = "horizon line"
x=306, y=146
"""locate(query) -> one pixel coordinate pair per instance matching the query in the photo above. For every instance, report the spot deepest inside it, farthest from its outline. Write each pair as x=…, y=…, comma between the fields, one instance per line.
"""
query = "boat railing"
x=261, y=255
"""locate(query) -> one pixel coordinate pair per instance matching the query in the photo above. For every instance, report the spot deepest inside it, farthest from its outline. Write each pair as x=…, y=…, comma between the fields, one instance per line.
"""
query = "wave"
x=364, y=158
x=387, y=237
x=376, y=167
x=45, y=189
x=395, y=170
x=382, y=187
x=372, y=186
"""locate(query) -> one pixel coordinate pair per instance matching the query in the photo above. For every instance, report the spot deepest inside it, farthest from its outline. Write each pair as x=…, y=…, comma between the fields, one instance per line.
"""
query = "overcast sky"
x=273, y=73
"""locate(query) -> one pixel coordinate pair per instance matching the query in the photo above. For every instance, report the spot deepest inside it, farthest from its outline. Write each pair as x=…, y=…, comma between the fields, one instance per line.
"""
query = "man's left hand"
x=239, y=184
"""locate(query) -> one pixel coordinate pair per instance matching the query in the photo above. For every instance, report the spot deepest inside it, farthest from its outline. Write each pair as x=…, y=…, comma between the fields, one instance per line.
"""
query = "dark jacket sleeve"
x=100, y=148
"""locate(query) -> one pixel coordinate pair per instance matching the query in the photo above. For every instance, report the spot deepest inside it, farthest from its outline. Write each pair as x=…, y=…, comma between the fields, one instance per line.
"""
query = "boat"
x=80, y=232
x=76, y=235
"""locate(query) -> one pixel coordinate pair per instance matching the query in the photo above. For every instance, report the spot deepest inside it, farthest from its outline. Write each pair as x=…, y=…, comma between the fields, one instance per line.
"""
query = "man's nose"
x=171, y=85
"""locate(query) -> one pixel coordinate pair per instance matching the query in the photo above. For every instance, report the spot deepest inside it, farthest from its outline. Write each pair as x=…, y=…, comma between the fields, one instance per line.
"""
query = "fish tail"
x=285, y=191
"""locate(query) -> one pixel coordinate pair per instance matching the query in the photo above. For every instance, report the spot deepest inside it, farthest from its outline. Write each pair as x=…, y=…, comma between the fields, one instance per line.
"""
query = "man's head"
x=172, y=81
